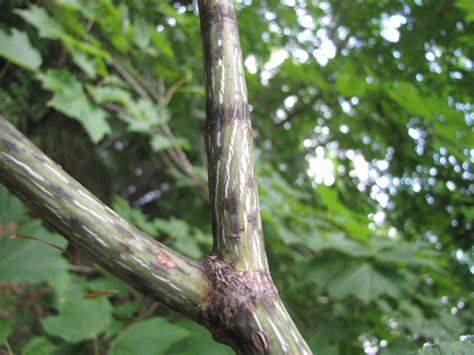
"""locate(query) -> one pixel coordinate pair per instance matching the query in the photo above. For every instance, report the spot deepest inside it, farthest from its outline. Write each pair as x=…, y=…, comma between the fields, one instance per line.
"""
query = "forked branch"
x=231, y=291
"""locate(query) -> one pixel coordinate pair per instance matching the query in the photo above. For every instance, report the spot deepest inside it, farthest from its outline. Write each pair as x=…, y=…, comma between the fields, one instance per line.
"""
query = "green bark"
x=231, y=291
x=243, y=308
x=78, y=215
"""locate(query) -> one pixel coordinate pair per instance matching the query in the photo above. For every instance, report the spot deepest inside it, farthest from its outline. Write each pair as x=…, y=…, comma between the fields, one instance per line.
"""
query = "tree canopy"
x=363, y=135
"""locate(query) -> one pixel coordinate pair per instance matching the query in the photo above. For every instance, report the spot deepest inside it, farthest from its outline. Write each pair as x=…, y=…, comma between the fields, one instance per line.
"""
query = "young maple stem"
x=243, y=308
x=231, y=291
x=78, y=215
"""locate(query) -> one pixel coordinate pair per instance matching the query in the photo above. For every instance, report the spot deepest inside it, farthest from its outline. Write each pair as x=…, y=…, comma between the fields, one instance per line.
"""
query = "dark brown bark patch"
x=260, y=341
x=233, y=292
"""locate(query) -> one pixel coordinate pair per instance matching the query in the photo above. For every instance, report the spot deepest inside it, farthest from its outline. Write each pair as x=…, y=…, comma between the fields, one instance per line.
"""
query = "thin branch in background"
x=4, y=70
x=95, y=345
x=146, y=83
x=173, y=88
x=82, y=269
x=148, y=312
x=131, y=80
x=89, y=25
x=161, y=86
x=9, y=349
x=176, y=153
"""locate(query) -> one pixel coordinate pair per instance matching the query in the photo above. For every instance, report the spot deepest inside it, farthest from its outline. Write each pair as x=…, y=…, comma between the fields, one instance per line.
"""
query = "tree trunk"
x=231, y=291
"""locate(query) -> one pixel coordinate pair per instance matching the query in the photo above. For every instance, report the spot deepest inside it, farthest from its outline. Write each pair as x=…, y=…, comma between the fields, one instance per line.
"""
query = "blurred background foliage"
x=362, y=113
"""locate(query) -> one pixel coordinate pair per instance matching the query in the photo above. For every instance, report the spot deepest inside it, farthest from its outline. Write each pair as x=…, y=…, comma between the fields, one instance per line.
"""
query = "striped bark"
x=230, y=291
x=66, y=206
x=243, y=307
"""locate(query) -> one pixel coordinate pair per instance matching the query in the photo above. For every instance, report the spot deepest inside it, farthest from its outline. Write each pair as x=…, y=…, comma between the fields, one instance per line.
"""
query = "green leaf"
x=141, y=33
x=452, y=348
x=144, y=116
x=408, y=97
x=468, y=7
x=153, y=336
x=134, y=216
x=338, y=242
x=321, y=346
x=17, y=49
x=39, y=18
x=199, y=342
x=159, y=142
x=86, y=63
x=127, y=309
x=325, y=271
x=363, y=282
x=6, y=329
x=29, y=261
x=102, y=94
x=79, y=319
x=35, y=229
x=146, y=111
x=39, y=346
x=161, y=42
x=70, y=99
x=349, y=83
x=389, y=251
x=184, y=240
x=11, y=209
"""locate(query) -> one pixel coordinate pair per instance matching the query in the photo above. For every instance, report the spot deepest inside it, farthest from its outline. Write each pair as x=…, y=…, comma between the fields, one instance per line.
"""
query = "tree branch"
x=243, y=309
x=233, y=192
x=68, y=207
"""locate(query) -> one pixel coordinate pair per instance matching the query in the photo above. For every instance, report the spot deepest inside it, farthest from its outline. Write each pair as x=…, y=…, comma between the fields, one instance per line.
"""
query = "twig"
x=173, y=88
x=4, y=70
x=177, y=154
x=131, y=80
x=145, y=82
x=148, y=311
x=9, y=349
x=83, y=269
x=95, y=344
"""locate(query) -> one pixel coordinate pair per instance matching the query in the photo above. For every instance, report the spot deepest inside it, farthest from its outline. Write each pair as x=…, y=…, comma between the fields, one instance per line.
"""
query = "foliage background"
x=362, y=112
